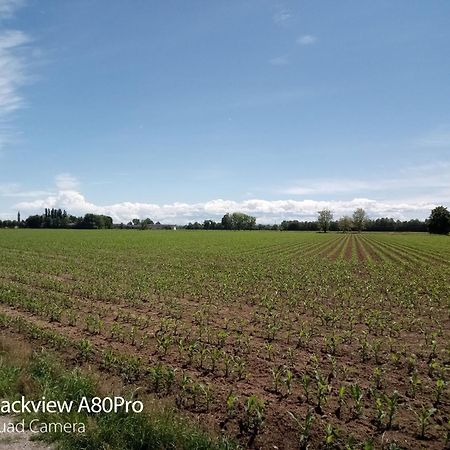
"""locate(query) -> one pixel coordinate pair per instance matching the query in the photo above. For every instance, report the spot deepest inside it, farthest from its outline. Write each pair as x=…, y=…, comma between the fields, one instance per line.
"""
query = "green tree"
x=227, y=222
x=439, y=221
x=242, y=221
x=345, y=224
x=359, y=219
x=324, y=219
x=145, y=224
x=238, y=221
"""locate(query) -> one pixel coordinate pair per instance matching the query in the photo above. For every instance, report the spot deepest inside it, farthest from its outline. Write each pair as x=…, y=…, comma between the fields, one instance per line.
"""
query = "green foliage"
x=324, y=219
x=154, y=429
x=439, y=221
x=238, y=221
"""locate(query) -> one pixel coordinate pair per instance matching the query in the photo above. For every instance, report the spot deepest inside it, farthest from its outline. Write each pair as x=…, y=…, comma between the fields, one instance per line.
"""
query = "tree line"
x=438, y=222
x=57, y=218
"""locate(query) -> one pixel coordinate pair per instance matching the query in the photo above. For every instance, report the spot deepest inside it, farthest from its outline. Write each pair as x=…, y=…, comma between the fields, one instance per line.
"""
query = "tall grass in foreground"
x=42, y=374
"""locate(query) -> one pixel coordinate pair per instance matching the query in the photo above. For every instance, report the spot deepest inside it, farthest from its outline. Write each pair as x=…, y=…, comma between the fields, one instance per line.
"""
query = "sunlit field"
x=272, y=338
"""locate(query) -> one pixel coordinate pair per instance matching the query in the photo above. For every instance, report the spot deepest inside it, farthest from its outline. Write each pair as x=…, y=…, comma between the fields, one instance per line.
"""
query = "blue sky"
x=186, y=110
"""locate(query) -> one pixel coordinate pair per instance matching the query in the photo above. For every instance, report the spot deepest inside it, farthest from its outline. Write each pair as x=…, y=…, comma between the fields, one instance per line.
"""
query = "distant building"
x=161, y=226
x=147, y=226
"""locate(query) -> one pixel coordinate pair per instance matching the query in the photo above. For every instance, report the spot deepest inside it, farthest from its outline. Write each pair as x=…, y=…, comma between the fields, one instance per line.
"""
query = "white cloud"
x=66, y=182
x=432, y=176
x=14, y=190
x=282, y=16
x=9, y=7
x=12, y=71
x=279, y=61
x=307, y=39
x=266, y=210
x=435, y=175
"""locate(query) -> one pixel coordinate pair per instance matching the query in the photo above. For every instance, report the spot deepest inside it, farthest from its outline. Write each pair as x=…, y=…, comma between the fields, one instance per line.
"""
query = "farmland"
x=286, y=339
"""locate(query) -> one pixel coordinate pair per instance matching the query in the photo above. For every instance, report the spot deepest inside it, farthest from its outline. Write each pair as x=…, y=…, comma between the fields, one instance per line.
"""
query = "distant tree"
x=194, y=226
x=94, y=221
x=145, y=224
x=439, y=221
x=34, y=221
x=295, y=225
x=345, y=224
x=136, y=222
x=324, y=219
x=242, y=221
x=227, y=223
x=359, y=219
x=238, y=221
x=211, y=225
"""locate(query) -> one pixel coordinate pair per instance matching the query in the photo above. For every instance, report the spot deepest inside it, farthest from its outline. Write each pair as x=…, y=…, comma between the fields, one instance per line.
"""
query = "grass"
x=43, y=373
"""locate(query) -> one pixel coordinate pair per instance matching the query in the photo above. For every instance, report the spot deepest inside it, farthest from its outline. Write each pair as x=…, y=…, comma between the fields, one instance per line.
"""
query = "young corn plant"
x=215, y=355
x=380, y=413
x=290, y=356
x=378, y=377
x=357, y=395
x=207, y=393
x=303, y=429
x=438, y=390
x=424, y=419
x=228, y=364
x=240, y=367
x=303, y=338
x=364, y=348
x=163, y=344
x=306, y=383
x=392, y=406
x=94, y=324
x=331, y=434
x=376, y=349
x=85, y=349
x=433, y=353
x=133, y=335
x=288, y=380
x=222, y=336
x=341, y=402
x=334, y=366
x=414, y=384
x=268, y=347
x=332, y=344
x=411, y=364
x=277, y=373
x=185, y=383
x=72, y=318
x=323, y=389
x=433, y=368
x=253, y=420
x=231, y=405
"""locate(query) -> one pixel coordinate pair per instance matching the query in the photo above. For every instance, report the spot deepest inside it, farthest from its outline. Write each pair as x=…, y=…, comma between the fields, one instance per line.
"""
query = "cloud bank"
x=266, y=211
x=12, y=71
